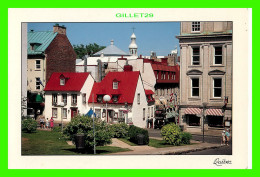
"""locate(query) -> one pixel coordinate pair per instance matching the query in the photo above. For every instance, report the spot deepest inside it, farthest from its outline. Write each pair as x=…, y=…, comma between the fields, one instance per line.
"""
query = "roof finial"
x=133, y=29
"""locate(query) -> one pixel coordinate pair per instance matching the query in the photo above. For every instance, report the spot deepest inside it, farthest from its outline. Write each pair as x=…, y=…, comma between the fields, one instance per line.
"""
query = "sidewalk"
x=148, y=150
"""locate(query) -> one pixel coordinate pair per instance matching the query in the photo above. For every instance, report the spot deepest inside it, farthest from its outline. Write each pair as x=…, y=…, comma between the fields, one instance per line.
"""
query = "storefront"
x=215, y=117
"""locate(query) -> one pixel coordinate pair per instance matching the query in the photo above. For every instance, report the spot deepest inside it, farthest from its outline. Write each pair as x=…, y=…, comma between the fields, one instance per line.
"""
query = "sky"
x=158, y=36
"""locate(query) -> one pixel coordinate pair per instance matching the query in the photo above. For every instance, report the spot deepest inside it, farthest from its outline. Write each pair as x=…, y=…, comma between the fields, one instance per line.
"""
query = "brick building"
x=47, y=52
x=206, y=74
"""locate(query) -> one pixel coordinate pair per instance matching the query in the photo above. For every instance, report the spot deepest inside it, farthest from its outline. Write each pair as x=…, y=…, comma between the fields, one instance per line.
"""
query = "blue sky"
x=158, y=36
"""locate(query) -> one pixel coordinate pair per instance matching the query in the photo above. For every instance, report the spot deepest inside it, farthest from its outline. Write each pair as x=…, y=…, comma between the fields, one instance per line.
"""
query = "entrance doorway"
x=74, y=112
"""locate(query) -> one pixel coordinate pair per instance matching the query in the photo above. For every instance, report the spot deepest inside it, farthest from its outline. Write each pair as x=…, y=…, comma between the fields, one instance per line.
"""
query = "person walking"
x=41, y=122
x=223, y=138
x=47, y=123
x=52, y=122
x=227, y=134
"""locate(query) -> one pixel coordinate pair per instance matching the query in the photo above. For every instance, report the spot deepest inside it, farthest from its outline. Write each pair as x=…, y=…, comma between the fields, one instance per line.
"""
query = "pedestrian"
x=47, y=123
x=227, y=135
x=223, y=138
x=41, y=122
x=52, y=122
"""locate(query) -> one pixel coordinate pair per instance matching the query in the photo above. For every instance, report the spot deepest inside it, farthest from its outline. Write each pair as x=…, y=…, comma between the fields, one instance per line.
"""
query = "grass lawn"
x=52, y=143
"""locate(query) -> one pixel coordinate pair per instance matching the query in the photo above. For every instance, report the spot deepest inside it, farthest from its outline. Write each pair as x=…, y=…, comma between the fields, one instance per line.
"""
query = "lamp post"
x=126, y=118
x=203, y=119
x=62, y=106
x=106, y=98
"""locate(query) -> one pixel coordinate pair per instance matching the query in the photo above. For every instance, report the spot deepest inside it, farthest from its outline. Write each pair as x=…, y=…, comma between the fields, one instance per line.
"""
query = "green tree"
x=89, y=49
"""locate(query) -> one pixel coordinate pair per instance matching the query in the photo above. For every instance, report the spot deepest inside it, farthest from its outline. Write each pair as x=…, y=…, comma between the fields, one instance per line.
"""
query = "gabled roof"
x=111, y=50
x=126, y=86
x=73, y=82
x=41, y=40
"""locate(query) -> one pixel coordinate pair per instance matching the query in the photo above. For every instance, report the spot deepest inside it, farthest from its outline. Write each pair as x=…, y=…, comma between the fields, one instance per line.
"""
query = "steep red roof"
x=73, y=81
x=149, y=92
x=127, y=82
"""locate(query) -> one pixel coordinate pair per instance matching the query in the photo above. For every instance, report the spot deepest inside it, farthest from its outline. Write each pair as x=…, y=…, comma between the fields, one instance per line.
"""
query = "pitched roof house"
x=128, y=98
x=66, y=95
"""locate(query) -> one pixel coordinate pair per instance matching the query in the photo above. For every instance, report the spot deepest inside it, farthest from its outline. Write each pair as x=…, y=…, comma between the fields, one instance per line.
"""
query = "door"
x=74, y=112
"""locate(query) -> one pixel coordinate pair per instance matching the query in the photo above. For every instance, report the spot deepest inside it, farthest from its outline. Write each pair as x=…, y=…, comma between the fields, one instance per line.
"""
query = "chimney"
x=59, y=29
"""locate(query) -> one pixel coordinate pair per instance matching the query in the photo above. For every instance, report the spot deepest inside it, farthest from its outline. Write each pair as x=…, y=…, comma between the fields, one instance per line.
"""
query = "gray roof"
x=111, y=50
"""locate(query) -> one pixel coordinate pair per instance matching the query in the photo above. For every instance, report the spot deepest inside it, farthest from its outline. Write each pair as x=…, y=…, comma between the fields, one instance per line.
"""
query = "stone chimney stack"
x=59, y=29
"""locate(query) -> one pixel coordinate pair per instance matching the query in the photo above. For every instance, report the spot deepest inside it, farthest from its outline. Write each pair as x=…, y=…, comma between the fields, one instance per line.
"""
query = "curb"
x=191, y=150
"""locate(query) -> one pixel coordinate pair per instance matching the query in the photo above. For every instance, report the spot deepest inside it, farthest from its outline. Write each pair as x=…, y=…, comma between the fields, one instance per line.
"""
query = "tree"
x=89, y=49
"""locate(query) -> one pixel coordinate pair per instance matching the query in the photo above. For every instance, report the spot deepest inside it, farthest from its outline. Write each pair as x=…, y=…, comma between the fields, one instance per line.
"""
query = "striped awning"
x=214, y=112
x=193, y=111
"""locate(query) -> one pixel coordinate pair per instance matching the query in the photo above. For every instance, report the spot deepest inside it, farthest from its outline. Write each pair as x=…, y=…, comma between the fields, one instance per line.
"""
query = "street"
x=224, y=150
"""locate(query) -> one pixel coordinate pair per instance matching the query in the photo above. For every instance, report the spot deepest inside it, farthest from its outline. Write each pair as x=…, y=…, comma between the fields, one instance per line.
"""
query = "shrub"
x=84, y=125
x=29, y=125
x=57, y=129
x=185, y=137
x=119, y=130
x=134, y=131
x=171, y=133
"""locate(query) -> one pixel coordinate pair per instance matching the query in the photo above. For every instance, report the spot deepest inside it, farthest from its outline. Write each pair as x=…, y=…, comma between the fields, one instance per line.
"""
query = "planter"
x=80, y=141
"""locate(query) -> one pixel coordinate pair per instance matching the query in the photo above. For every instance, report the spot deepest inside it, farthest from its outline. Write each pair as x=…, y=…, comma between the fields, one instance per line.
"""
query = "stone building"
x=206, y=61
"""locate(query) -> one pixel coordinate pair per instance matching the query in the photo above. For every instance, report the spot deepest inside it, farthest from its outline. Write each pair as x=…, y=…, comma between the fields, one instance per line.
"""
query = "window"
x=195, y=56
x=37, y=64
x=195, y=26
x=168, y=75
x=38, y=83
x=157, y=75
x=161, y=74
x=217, y=87
x=98, y=113
x=121, y=114
x=64, y=113
x=64, y=98
x=84, y=98
x=62, y=81
x=99, y=98
x=151, y=111
x=138, y=98
x=54, y=112
x=218, y=55
x=54, y=99
x=195, y=87
x=143, y=113
x=148, y=112
x=115, y=98
x=115, y=85
x=174, y=76
x=74, y=99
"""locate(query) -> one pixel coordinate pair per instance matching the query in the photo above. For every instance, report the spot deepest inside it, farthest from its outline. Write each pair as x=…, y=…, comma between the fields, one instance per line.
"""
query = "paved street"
x=211, y=136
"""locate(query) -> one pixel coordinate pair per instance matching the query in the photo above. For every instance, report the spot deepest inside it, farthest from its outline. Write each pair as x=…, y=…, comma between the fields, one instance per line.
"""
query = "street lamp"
x=203, y=119
x=106, y=98
x=62, y=107
x=126, y=118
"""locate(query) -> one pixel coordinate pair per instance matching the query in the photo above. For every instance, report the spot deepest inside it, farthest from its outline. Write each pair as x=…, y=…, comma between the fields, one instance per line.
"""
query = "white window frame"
x=74, y=98
x=54, y=110
x=192, y=56
x=37, y=83
x=195, y=87
x=62, y=81
x=64, y=110
x=54, y=98
x=214, y=62
x=115, y=85
x=195, y=26
x=64, y=100
x=213, y=86
x=37, y=66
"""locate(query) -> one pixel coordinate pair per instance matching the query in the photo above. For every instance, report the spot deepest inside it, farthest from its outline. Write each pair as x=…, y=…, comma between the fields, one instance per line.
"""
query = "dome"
x=133, y=46
x=133, y=35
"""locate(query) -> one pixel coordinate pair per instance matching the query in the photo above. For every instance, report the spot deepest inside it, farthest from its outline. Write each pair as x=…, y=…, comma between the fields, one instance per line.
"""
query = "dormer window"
x=99, y=98
x=115, y=98
x=62, y=79
x=115, y=84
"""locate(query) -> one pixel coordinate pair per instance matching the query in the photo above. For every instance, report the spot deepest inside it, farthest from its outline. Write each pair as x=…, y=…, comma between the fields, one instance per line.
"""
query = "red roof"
x=149, y=92
x=73, y=81
x=127, y=82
